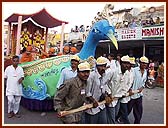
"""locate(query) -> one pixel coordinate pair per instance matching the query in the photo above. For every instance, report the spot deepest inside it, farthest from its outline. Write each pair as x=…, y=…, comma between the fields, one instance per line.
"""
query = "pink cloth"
x=151, y=65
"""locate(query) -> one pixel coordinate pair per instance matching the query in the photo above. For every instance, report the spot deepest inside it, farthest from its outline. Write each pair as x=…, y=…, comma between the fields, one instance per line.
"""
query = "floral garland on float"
x=38, y=40
x=25, y=39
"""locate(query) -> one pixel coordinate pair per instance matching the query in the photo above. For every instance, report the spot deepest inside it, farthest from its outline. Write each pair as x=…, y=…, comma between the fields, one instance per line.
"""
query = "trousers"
x=136, y=105
x=13, y=103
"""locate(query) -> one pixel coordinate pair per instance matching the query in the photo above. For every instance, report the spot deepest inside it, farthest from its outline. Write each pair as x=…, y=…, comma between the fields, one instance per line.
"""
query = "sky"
x=76, y=13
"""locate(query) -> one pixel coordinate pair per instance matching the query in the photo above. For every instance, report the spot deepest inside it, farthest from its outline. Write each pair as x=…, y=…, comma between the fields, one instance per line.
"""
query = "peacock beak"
x=111, y=36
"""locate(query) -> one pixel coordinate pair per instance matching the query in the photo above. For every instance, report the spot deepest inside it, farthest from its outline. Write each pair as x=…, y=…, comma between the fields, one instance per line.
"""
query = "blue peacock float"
x=41, y=76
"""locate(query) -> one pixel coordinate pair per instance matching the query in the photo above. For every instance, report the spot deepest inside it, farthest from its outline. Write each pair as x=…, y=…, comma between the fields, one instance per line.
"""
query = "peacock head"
x=102, y=30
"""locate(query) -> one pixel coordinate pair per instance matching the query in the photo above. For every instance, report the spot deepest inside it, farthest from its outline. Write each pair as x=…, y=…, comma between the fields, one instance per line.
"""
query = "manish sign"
x=157, y=31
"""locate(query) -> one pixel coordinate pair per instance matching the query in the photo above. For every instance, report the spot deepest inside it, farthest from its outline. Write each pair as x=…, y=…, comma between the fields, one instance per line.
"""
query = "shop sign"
x=157, y=31
x=129, y=34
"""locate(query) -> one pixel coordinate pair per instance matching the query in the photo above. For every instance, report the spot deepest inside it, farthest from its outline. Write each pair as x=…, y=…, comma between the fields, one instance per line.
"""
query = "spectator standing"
x=72, y=30
x=156, y=64
x=146, y=23
x=151, y=72
x=76, y=29
x=82, y=29
x=87, y=31
x=160, y=77
x=140, y=22
x=14, y=75
x=133, y=24
x=151, y=22
x=157, y=20
x=82, y=32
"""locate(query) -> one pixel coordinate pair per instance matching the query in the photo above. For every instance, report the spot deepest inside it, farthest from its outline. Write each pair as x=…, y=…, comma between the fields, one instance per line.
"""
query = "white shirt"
x=139, y=81
x=118, y=66
x=96, y=86
x=120, y=87
x=13, y=75
x=128, y=85
x=112, y=64
x=113, y=86
x=131, y=76
x=66, y=74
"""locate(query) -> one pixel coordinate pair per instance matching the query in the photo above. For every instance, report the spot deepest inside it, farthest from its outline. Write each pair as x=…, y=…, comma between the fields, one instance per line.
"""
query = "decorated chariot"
x=41, y=76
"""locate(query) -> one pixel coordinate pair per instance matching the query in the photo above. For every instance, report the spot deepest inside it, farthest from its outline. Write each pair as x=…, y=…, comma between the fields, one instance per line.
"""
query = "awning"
x=42, y=18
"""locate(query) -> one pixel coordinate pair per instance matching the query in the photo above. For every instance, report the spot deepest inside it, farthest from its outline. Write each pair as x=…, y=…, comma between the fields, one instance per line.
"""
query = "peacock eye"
x=94, y=30
x=99, y=31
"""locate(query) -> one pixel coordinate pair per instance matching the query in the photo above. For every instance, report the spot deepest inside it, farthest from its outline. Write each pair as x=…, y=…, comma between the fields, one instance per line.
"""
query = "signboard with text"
x=124, y=34
x=149, y=32
x=139, y=33
x=129, y=34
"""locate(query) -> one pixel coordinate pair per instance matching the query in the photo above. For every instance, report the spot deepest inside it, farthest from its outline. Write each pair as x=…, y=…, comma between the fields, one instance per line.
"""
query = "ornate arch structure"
x=33, y=22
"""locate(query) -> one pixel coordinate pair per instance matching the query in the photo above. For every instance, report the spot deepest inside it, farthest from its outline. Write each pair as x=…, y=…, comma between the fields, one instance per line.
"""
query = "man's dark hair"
x=119, y=54
x=74, y=60
x=111, y=54
x=15, y=57
x=24, y=50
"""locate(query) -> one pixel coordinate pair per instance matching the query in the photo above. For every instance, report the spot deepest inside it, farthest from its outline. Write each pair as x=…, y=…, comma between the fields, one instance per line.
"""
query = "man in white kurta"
x=14, y=75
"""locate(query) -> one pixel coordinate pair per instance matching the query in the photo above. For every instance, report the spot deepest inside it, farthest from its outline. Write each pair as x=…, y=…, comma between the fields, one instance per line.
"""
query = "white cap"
x=125, y=58
x=75, y=57
x=85, y=66
x=144, y=59
x=101, y=60
x=132, y=60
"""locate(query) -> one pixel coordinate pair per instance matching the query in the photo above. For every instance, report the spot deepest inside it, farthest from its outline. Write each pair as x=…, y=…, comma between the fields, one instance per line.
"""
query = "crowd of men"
x=115, y=82
x=119, y=83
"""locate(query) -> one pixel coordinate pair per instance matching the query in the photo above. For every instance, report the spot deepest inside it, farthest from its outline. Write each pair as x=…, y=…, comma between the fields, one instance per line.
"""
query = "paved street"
x=153, y=103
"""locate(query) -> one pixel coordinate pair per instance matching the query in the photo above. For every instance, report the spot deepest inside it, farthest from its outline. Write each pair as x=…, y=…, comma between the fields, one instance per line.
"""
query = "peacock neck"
x=89, y=47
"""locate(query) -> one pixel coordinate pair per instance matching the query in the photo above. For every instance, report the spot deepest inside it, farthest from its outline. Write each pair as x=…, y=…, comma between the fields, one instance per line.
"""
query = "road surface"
x=153, y=103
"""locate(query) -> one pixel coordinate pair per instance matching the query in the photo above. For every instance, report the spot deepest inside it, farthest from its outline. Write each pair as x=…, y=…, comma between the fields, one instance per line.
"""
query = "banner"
x=129, y=34
x=41, y=76
x=157, y=31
